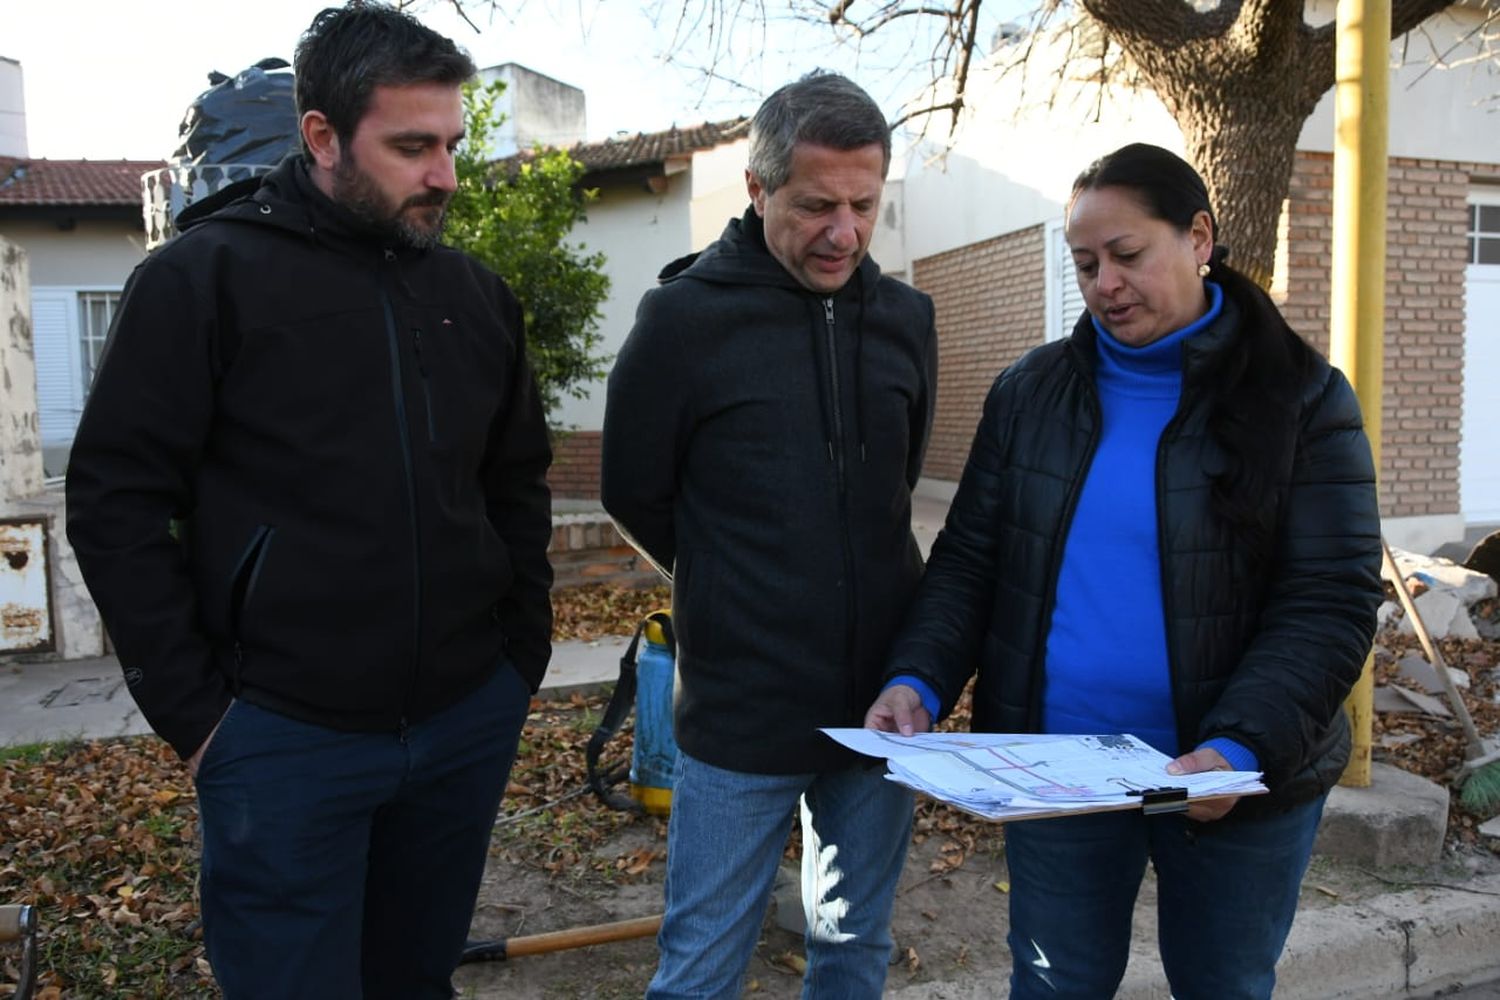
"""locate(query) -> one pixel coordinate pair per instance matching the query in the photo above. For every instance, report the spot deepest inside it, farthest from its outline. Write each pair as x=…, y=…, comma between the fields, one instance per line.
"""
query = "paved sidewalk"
x=87, y=699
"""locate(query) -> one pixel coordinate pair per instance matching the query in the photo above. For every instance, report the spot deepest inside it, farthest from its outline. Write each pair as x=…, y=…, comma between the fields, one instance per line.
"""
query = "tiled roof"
x=644, y=148
x=58, y=183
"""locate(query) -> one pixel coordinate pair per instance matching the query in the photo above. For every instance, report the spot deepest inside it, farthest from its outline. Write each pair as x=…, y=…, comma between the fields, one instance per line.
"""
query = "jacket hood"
x=287, y=199
x=740, y=256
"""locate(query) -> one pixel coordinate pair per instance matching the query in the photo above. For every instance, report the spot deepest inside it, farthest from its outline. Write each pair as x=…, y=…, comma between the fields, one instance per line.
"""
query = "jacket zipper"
x=850, y=604
x=416, y=340
x=403, y=432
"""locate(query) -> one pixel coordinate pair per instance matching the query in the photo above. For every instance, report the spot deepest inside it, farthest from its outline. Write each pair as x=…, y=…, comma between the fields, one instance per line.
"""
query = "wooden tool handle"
x=1434, y=655
x=578, y=937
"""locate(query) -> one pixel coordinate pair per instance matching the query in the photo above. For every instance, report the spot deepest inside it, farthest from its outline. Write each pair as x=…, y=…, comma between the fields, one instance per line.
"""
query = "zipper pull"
x=828, y=310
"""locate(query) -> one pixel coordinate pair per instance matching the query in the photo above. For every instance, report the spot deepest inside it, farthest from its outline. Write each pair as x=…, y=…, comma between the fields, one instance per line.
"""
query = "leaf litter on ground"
x=100, y=836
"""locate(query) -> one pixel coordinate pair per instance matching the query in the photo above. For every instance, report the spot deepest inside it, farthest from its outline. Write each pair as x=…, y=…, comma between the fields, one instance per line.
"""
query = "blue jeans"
x=725, y=840
x=1226, y=896
x=341, y=864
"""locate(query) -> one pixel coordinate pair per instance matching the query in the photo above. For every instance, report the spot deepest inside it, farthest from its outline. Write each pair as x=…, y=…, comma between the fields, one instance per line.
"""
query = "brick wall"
x=587, y=548
x=991, y=308
x=1424, y=315
x=575, y=465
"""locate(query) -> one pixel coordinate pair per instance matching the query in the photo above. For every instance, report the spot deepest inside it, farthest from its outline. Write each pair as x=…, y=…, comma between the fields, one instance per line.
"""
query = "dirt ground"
x=949, y=922
x=562, y=861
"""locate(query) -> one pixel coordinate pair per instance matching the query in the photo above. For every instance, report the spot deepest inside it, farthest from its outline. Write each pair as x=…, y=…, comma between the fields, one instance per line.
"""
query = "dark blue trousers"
x=1226, y=896
x=347, y=864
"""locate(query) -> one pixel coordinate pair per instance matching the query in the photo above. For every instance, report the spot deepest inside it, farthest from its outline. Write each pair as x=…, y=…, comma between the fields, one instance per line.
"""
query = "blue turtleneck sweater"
x=1107, y=665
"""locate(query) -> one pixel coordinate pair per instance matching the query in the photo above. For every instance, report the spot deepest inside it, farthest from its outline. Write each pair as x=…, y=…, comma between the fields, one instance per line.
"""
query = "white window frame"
x=1487, y=195
x=1064, y=301
x=91, y=340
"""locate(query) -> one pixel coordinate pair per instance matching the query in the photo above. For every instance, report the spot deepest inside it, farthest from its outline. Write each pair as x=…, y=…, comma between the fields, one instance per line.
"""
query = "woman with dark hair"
x=1167, y=526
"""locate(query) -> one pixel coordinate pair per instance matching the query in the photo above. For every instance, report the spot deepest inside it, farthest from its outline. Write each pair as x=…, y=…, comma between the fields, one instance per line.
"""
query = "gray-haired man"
x=765, y=427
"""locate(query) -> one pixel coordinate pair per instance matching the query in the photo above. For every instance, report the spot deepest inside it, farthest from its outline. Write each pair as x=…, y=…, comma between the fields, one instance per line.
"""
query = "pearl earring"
x=1202, y=270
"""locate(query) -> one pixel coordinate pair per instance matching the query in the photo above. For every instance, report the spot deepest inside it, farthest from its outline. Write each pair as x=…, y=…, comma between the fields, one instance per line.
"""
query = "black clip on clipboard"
x=1156, y=801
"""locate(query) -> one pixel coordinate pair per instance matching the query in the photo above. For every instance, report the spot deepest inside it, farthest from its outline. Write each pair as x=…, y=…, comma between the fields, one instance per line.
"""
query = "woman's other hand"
x=1202, y=759
x=898, y=710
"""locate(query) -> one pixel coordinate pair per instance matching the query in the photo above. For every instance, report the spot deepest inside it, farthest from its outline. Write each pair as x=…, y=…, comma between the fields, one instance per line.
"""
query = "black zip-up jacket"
x=353, y=443
x=1261, y=650
x=761, y=443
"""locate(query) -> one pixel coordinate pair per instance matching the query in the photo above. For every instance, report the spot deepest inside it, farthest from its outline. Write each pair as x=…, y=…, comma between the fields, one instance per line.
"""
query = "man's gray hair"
x=824, y=109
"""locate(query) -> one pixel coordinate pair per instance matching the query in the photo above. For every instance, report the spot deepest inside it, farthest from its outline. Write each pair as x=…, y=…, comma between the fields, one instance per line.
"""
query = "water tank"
x=240, y=127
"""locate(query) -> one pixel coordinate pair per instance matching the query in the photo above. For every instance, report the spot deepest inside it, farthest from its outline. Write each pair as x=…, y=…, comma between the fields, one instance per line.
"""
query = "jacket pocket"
x=246, y=576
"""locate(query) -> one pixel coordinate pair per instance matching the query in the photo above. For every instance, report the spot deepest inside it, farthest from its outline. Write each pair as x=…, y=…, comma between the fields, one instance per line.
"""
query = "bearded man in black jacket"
x=342, y=637
x=765, y=427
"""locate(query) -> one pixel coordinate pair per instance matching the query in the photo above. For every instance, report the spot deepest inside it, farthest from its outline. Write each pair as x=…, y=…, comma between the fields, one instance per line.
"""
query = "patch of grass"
x=98, y=836
x=34, y=753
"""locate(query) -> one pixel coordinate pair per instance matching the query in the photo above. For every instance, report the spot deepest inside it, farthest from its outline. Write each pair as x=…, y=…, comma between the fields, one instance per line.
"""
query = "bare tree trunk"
x=1246, y=191
x=1240, y=79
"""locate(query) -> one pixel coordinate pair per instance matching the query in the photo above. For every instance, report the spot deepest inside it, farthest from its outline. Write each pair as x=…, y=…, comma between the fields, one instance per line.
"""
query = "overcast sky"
x=110, y=79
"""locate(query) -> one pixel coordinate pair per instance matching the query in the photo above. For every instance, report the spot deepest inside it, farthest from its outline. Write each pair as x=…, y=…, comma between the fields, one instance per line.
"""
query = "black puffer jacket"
x=762, y=442
x=1261, y=650
x=355, y=441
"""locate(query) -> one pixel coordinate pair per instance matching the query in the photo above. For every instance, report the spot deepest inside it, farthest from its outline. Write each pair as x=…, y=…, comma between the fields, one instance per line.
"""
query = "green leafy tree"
x=516, y=216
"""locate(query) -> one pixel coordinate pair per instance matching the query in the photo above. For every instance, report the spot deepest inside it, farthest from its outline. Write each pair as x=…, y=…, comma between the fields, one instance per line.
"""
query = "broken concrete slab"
x=1445, y=615
x=1395, y=698
x=1444, y=574
x=1415, y=668
x=1399, y=820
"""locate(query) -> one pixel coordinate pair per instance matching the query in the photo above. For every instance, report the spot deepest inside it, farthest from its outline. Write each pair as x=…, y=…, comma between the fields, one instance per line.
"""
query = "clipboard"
x=1004, y=777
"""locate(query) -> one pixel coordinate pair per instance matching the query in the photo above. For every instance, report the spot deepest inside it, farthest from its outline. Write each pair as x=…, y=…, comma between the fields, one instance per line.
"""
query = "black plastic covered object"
x=250, y=118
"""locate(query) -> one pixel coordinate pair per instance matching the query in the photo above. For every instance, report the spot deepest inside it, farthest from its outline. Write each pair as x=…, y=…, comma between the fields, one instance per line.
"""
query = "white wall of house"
x=719, y=194
x=12, y=109
x=638, y=232
x=1026, y=137
x=1445, y=112
x=92, y=252
x=1013, y=160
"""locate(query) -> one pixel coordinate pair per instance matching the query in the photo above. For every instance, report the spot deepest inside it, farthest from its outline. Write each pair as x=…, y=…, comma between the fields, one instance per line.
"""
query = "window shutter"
x=1064, y=300
x=59, y=389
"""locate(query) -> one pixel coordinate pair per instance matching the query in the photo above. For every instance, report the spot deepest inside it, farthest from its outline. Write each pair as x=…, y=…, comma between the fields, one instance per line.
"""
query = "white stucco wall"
x=1015, y=156
x=94, y=253
x=537, y=109
x=638, y=232
x=718, y=186
x=1449, y=112
x=12, y=109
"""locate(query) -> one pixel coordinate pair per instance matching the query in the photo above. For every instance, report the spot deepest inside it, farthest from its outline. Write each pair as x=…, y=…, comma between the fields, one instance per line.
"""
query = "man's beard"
x=358, y=192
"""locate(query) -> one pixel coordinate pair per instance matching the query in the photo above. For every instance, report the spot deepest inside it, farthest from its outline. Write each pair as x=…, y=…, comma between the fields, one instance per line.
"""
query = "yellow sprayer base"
x=656, y=801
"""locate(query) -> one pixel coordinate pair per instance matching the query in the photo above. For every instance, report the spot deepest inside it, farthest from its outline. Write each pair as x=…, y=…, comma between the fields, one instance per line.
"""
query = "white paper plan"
x=1021, y=776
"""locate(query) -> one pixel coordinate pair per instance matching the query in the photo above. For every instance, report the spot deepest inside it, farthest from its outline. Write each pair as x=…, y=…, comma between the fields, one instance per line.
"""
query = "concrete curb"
x=1424, y=938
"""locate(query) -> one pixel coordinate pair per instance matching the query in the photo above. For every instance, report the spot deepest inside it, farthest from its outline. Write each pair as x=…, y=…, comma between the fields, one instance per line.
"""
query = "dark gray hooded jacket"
x=761, y=443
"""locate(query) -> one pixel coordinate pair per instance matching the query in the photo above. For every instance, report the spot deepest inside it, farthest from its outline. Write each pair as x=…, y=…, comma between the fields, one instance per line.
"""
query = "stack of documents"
x=1010, y=776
